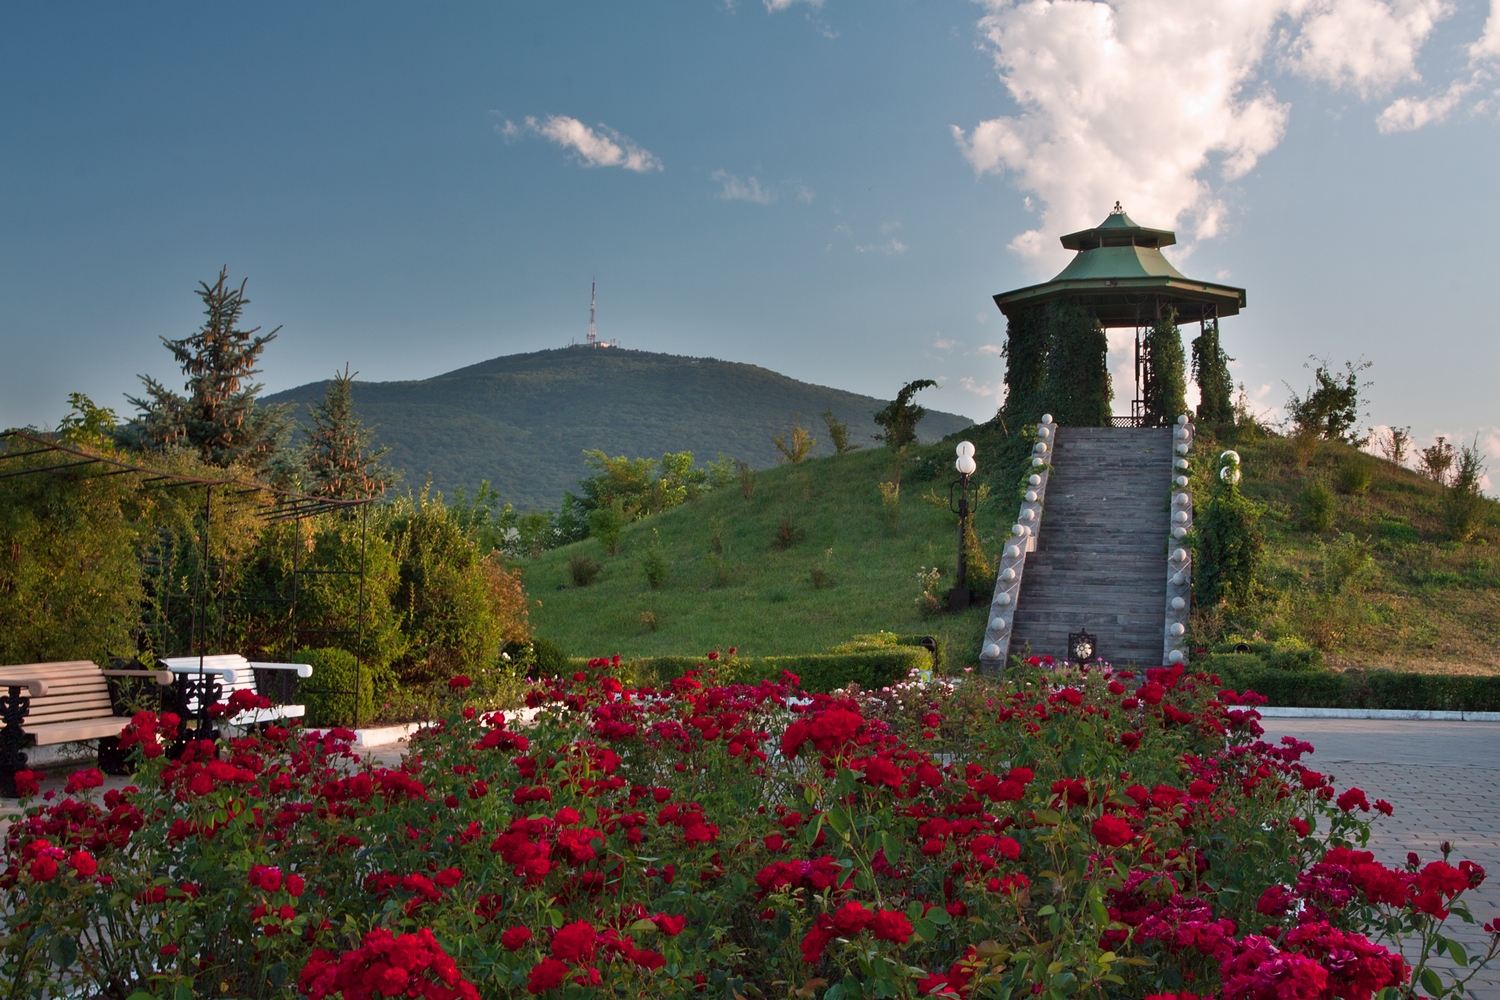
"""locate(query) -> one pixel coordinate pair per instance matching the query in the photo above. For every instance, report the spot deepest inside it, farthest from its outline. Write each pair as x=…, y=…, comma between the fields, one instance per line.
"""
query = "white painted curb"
x=1415, y=715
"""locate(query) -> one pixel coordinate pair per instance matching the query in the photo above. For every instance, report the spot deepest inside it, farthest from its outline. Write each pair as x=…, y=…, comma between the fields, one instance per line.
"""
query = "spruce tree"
x=1165, y=381
x=218, y=417
x=338, y=455
x=1211, y=372
x=1076, y=388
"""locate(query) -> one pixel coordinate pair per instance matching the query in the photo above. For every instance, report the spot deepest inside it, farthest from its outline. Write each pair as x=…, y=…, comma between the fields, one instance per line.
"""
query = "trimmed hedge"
x=1357, y=688
x=330, y=692
x=869, y=668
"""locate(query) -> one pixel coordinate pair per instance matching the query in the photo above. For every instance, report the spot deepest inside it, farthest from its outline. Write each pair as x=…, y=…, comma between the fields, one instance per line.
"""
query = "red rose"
x=669, y=925
x=44, y=869
x=515, y=937
x=547, y=974
x=1302, y=826
x=295, y=884
x=458, y=683
x=891, y=925
x=28, y=783
x=851, y=918
x=1352, y=798
x=1112, y=831
x=79, y=780
x=83, y=863
x=575, y=942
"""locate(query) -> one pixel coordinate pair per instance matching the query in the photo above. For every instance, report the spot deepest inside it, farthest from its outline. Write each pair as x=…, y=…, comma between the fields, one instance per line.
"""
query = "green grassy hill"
x=732, y=583
x=1383, y=586
x=523, y=421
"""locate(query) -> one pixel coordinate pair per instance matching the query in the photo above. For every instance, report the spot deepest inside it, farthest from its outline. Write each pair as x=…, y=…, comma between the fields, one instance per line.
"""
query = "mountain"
x=523, y=421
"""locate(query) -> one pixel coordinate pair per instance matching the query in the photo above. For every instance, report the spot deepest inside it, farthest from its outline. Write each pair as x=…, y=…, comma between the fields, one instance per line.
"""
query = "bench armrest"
x=35, y=685
x=159, y=676
x=228, y=673
x=304, y=670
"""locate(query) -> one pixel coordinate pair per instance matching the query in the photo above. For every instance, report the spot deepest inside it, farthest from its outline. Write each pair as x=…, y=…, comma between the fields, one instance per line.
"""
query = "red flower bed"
x=1085, y=834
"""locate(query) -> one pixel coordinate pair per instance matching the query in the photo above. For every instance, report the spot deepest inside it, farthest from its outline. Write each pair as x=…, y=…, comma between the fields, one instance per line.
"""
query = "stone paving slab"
x=1443, y=778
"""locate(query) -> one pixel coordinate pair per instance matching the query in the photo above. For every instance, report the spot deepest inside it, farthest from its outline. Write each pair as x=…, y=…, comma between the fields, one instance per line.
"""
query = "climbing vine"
x=1229, y=541
x=1211, y=372
x=1076, y=390
x=1165, y=381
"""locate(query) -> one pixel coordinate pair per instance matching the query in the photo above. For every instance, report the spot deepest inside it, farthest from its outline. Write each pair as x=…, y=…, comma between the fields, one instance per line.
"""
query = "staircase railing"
x=995, y=652
x=1179, y=556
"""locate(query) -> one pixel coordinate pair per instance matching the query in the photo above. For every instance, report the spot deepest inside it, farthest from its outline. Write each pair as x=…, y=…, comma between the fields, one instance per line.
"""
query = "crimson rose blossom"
x=575, y=942
x=547, y=974
x=1112, y=831
x=515, y=937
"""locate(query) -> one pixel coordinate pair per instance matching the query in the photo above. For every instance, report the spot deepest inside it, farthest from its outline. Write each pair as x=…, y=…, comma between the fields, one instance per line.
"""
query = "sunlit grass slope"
x=1383, y=586
x=746, y=590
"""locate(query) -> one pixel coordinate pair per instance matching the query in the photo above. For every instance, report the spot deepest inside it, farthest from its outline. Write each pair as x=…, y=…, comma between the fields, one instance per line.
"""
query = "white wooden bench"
x=235, y=673
x=63, y=702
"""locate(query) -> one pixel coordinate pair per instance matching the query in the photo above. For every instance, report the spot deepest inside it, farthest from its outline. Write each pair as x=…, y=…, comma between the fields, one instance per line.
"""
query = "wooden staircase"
x=1100, y=559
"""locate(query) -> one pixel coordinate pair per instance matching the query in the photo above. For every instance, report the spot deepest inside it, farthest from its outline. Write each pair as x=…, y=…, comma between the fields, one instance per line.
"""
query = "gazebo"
x=1119, y=278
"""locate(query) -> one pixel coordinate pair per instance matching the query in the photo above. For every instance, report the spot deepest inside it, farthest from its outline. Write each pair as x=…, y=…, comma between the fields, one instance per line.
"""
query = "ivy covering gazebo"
x=1056, y=341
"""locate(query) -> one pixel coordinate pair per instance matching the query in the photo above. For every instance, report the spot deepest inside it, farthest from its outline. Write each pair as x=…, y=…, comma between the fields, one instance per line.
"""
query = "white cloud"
x=749, y=189
x=804, y=193
x=889, y=246
x=1406, y=114
x=944, y=345
x=774, y=5
x=989, y=390
x=995, y=349
x=1364, y=45
x=1488, y=44
x=601, y=146
x=1159, y=103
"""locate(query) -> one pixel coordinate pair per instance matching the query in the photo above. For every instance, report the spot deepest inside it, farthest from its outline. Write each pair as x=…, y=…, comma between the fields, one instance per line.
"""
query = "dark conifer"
x=339, y=458
x=218, y=417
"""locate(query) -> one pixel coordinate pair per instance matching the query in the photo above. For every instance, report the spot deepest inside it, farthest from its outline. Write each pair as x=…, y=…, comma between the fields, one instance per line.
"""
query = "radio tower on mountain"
x=593, y=339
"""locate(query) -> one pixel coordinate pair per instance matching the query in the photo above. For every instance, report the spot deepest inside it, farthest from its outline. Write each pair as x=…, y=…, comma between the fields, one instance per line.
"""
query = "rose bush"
x=1061, y=834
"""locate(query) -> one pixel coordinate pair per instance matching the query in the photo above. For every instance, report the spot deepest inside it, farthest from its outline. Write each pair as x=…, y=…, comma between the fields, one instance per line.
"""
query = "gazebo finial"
x=1117, y=210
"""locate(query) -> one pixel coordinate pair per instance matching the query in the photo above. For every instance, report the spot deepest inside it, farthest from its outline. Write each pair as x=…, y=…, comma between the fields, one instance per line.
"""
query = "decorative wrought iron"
x=13, y=710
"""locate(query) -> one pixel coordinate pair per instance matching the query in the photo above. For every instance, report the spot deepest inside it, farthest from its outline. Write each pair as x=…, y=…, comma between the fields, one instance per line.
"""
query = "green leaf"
x=939, y=916
x=809, y=794
x=891, y=846
x=276, y=974
x=140, y=995
x=1457, y=951
x=1051, y=817
x=1431, y=983
x=183, y=992
x=1099, y=910
x=925, y=929
x=863, y=882
x=914, y=912
x=835, y=992
x=838, y=820
x=1046, y=911
x=62, y=950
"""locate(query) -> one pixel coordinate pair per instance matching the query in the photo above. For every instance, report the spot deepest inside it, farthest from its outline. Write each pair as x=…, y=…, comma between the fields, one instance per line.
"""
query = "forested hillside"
x=523, y=421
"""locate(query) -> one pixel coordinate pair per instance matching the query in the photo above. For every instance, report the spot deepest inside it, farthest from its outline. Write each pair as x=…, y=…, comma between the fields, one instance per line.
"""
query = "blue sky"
x=832, y=190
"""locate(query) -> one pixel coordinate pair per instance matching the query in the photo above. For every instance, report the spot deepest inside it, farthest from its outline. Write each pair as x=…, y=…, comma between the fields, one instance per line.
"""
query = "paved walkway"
x=1443, y=779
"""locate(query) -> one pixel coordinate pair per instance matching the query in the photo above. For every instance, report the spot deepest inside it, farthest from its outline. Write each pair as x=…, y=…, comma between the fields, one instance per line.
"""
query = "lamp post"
x=959, y=597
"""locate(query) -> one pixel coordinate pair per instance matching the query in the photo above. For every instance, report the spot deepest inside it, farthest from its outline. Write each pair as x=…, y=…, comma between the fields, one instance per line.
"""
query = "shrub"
x=1319, y=506
x=549, y=658
x=1463, y=504
x=654, y=566
x=798, y=448
x=963, y=840
x=1356, y=474
x=1165, y=368
x=901, y=416
x=1348, y=566
x=1329, y=409
x=838, y=433
x=583, y=570
x=787, y=535
x=608, y=525
x=340, y=692
x=746, y=476
x=1230, y=546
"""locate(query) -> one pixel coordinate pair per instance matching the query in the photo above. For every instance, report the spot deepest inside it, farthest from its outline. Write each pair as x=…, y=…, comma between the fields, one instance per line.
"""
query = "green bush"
x=1356, y=475
x=329, y=693
x=583, y=570
x=654, y=567
x=1377, y=689
x=1289, y=653
x=870, y=668
x=1319, y=506
x=549, y=658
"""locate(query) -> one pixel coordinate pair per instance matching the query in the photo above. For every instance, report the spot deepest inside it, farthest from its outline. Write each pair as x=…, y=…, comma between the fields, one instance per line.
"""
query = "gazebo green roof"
x=1119, y=273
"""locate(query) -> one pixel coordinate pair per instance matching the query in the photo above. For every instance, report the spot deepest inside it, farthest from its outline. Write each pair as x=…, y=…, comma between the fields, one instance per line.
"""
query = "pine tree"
x=1211, y=372
x=338, y=455
x=1165, y=379
x=218, y=417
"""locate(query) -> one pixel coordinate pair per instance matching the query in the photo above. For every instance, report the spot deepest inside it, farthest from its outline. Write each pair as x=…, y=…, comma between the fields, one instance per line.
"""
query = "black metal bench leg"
x=14, y=708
